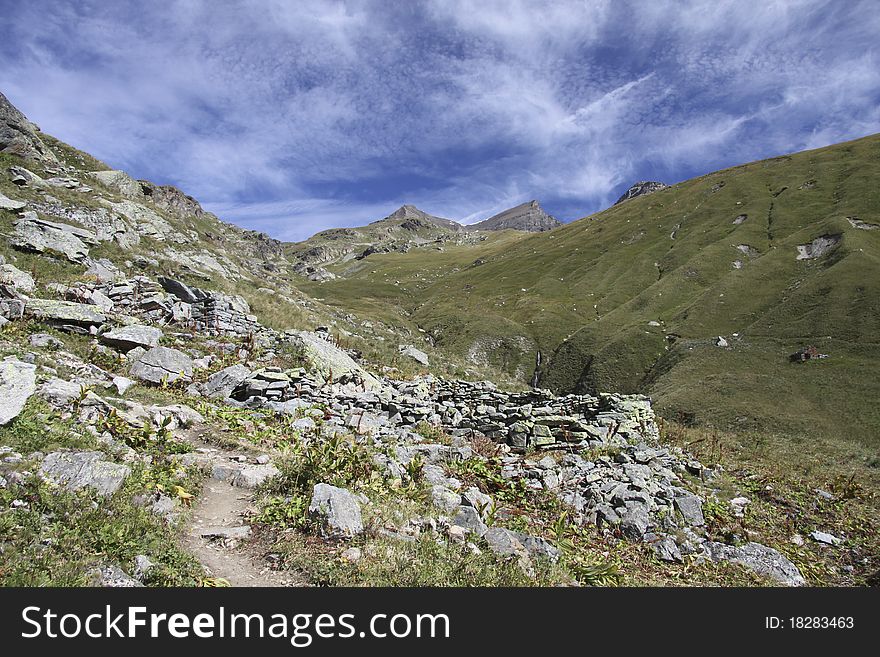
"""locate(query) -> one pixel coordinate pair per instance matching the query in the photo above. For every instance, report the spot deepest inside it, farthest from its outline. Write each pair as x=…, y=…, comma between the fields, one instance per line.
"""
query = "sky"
x=292, y=117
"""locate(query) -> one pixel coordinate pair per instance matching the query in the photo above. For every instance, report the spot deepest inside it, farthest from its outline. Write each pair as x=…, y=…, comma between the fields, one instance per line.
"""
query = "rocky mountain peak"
x=641, y=188
x=19, y=136
x=529, y=216
x=413, y=218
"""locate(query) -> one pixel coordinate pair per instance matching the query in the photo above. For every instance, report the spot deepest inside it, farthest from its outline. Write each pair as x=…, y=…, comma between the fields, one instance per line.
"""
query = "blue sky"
x=291, y=117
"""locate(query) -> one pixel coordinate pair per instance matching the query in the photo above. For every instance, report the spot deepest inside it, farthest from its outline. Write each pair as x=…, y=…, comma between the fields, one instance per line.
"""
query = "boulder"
x=20, y=280
x=7, y=203
x=758, y=558
x=19, y=136
x=222, y=383
x=243, y=476
x=121, y=183
x=416, y=354
x=112, y=576
x=445, y=499
x=330, y=361
x=691, y=509
x=75, y=470
x=18, y=381
x=59, y=392
x=181, y=290
x=41, y=236
x=339, y=510
x=65, y=313
x=127, y=338
x=468, y=518
x=162, y=365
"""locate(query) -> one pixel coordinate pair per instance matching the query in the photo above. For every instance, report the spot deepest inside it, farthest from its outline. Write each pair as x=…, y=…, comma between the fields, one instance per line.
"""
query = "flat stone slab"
x=162, y=364
x=760, y=559
x=65, y=312
x=18, y=381
x=76, y=470
x=237, y=533
x=127, y=338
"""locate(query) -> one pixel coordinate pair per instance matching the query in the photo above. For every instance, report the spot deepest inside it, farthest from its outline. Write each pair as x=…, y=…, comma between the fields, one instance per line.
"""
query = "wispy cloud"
x=294, y=117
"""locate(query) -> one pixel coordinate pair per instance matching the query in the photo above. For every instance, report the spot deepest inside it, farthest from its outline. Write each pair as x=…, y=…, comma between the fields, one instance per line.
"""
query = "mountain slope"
x=529, y=217
x=781, y=252
x=404, y=229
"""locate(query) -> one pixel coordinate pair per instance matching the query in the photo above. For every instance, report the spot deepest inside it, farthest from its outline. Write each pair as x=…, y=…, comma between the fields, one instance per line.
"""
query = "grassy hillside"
x=634, y=297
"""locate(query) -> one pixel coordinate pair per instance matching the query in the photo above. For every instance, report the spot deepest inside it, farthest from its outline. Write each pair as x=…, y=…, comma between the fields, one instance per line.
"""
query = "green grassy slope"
x=632, y=298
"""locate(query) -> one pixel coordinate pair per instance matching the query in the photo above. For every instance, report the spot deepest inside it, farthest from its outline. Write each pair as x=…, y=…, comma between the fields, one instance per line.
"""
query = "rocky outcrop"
x=75, y=470
x=338, y=509
x=65, y=314
x=818, y=247
x=41, y=236
x=162, y=365
x=7, y=203
x=528, y=216
x=121, y=183
x=19, y=136
x=127, y=338
x=17, y=384
x=641, y=188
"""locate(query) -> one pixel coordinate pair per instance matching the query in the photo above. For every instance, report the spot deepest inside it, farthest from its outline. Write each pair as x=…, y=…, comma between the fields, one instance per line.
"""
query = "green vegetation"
x=52, y=537
x=632, y=299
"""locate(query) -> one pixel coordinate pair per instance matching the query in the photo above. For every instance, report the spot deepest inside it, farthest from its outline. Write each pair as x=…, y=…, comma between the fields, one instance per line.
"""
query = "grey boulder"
x=758, y=558
x=339, y=510
x=65, y=313
x=416, y=354
x=41, y=236
x=76, y=470
x=127, y=338
x=18, y=381
x=222, y=383
x=162, y=365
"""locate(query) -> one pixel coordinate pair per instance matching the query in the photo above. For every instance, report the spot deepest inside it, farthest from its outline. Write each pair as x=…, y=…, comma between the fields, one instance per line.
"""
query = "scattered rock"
x=75, y=470
x=127, y=338
x=339, y=509
x=827, y=539
x=18, y=381
x=162, y=365
x=416, y=354
x=759, y=558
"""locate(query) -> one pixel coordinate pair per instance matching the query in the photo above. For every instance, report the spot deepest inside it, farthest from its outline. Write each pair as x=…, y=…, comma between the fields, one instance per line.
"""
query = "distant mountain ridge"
x=528, y=216
x=641, y=188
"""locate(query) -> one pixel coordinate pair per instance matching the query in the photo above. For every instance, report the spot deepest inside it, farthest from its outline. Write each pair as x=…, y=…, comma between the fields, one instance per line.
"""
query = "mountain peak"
x=19, y=136
x=412, y=217
x=641, y=188
x=528, y=216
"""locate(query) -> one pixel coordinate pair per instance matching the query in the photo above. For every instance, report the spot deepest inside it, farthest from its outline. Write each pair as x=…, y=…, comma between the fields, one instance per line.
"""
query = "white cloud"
x=262, y=109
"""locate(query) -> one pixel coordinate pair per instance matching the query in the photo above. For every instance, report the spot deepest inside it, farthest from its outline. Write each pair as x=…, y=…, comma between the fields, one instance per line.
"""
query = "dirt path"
x=219, y=536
